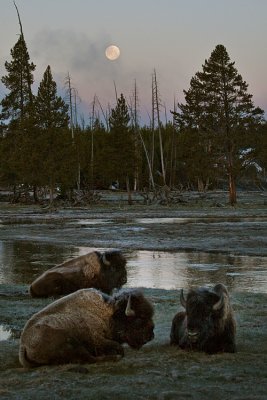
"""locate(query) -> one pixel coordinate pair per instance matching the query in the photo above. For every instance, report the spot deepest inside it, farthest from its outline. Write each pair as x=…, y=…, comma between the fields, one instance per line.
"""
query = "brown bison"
x=104, y=271
x=207, y=324
x=85, y=327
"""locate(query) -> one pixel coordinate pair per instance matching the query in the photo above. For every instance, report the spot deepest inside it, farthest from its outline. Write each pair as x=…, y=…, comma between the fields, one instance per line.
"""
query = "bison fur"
x=207, y=324
x=87, y=326
x=103, y=271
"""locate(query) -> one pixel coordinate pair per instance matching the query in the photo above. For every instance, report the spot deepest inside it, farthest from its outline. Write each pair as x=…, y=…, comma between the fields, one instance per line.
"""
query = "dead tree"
x=135, y=125
x=27, y=66
x=156, y=107
x=70, y=91
x=173, y=160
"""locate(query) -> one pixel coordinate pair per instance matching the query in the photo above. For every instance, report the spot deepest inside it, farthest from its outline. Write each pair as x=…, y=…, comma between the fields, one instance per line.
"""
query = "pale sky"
x=172, y=36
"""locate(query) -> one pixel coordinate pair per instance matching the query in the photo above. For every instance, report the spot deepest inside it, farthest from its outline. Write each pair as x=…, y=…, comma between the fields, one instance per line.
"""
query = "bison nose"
x=193, y=335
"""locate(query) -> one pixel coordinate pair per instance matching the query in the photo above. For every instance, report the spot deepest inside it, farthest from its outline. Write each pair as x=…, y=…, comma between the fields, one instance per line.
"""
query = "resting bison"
x=207, y=324
x=85, y=327
x=100, y=271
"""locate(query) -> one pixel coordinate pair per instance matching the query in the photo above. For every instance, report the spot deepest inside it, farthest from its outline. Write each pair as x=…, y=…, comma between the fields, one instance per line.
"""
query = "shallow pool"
x=22, y=261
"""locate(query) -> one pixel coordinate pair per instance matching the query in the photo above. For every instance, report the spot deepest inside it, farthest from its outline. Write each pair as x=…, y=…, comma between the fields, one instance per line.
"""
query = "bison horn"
x=182, y=299
x=105, y=261
x=129, y=312
x=217, y=306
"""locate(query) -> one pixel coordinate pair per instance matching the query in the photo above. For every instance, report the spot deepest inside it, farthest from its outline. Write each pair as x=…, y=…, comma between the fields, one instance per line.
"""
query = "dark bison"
x=208, y=322
x=85, y=327
x=103, y=271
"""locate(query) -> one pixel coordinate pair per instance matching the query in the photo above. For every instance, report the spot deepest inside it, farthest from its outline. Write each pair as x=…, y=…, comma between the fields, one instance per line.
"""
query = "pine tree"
x=120, y=118
x=16, y=105
x=50, y=109
x=121, y=146
x=16, y=114
x=56, y=164
x=218, y=107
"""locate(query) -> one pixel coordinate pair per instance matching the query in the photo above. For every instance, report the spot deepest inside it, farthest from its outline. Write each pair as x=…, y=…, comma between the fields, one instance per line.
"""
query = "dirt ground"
x=158, y=370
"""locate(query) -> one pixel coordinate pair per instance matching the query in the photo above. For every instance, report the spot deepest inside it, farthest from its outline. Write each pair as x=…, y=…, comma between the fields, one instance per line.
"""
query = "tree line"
x=216, y=136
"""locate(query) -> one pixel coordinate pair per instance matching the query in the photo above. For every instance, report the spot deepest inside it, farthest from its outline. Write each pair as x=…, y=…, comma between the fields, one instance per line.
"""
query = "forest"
x=217, y=137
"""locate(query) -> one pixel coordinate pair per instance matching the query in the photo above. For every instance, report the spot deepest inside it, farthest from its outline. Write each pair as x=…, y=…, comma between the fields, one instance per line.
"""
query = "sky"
x=174, y=37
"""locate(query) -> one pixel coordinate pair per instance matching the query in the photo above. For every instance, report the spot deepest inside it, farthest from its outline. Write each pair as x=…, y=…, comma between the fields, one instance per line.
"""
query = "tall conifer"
x=51, y=110
x=16, y=105
x=218, y=107
x=121, y=146
x=54, y=140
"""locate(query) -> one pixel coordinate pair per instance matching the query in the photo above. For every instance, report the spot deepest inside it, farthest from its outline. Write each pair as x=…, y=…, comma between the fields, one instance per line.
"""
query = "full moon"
x=112, y=52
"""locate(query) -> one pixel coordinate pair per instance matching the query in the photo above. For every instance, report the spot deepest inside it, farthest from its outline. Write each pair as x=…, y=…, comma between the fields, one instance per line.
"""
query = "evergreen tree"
x=16, y=115
x=16, y=105
x=53, y=142
x=218, y=107
x=50, y=109
x=120, y=118
x=121, y=145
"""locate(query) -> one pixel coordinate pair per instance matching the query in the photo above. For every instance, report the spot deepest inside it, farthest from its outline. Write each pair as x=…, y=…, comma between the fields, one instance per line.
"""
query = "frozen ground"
x=167, y=248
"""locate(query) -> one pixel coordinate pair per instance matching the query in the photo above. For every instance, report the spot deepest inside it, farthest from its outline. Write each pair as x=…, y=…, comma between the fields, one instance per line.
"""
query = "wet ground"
x=167, y=248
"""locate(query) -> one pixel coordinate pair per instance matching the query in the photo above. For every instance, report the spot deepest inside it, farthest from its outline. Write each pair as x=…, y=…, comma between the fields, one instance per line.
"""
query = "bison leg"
x=178, y=329
x=109, y=350
x=53, y=346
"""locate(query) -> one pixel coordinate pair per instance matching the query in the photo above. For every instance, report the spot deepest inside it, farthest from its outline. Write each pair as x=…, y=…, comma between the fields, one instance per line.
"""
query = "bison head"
x=204, y=307
x=113, y=271
x=133, y=323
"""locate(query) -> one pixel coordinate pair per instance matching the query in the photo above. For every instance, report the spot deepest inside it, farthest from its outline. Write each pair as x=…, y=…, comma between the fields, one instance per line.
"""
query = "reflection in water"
x=161, y=220
x=174, y=270
x=89, y=222
x=155, y=269
x=4, y=333
x=22, y=262
x=206, y=220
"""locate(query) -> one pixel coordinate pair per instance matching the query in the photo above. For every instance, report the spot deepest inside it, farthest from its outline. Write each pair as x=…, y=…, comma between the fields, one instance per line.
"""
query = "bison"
x=87, y=326
x=208, y=322
x=103, y=271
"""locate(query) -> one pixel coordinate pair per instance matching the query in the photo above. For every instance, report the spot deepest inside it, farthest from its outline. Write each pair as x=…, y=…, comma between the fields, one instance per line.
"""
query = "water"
x=5, y=333
x=21, y=262
x=175, y=270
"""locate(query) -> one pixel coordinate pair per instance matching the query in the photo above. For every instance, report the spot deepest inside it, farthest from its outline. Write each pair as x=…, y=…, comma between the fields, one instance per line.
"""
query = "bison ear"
x=129, y=312
x=182, y=299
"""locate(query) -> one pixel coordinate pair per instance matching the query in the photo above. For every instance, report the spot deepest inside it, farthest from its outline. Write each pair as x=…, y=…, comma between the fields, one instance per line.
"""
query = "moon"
x=112, y=52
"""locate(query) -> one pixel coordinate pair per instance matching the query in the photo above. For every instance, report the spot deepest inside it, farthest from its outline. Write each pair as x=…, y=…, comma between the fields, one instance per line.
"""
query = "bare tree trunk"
x=51, y=193
x=28, y=71
x=130, y=201
x=156, y=92
x=231, y=180
x=105, y=116
x=153, y=127
x=92, y=143
x=134, y=112
x=35, y=194
x=173, y=151
x=200, y=185
x=69, y=91
x=70, y=103
x=232, y=190
x=148, y=161
x=116, y=93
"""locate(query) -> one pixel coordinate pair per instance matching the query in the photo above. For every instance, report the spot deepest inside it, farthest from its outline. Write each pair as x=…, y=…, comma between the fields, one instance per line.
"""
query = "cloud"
x=83, y=58
x=91, y=72
x=67, y=50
